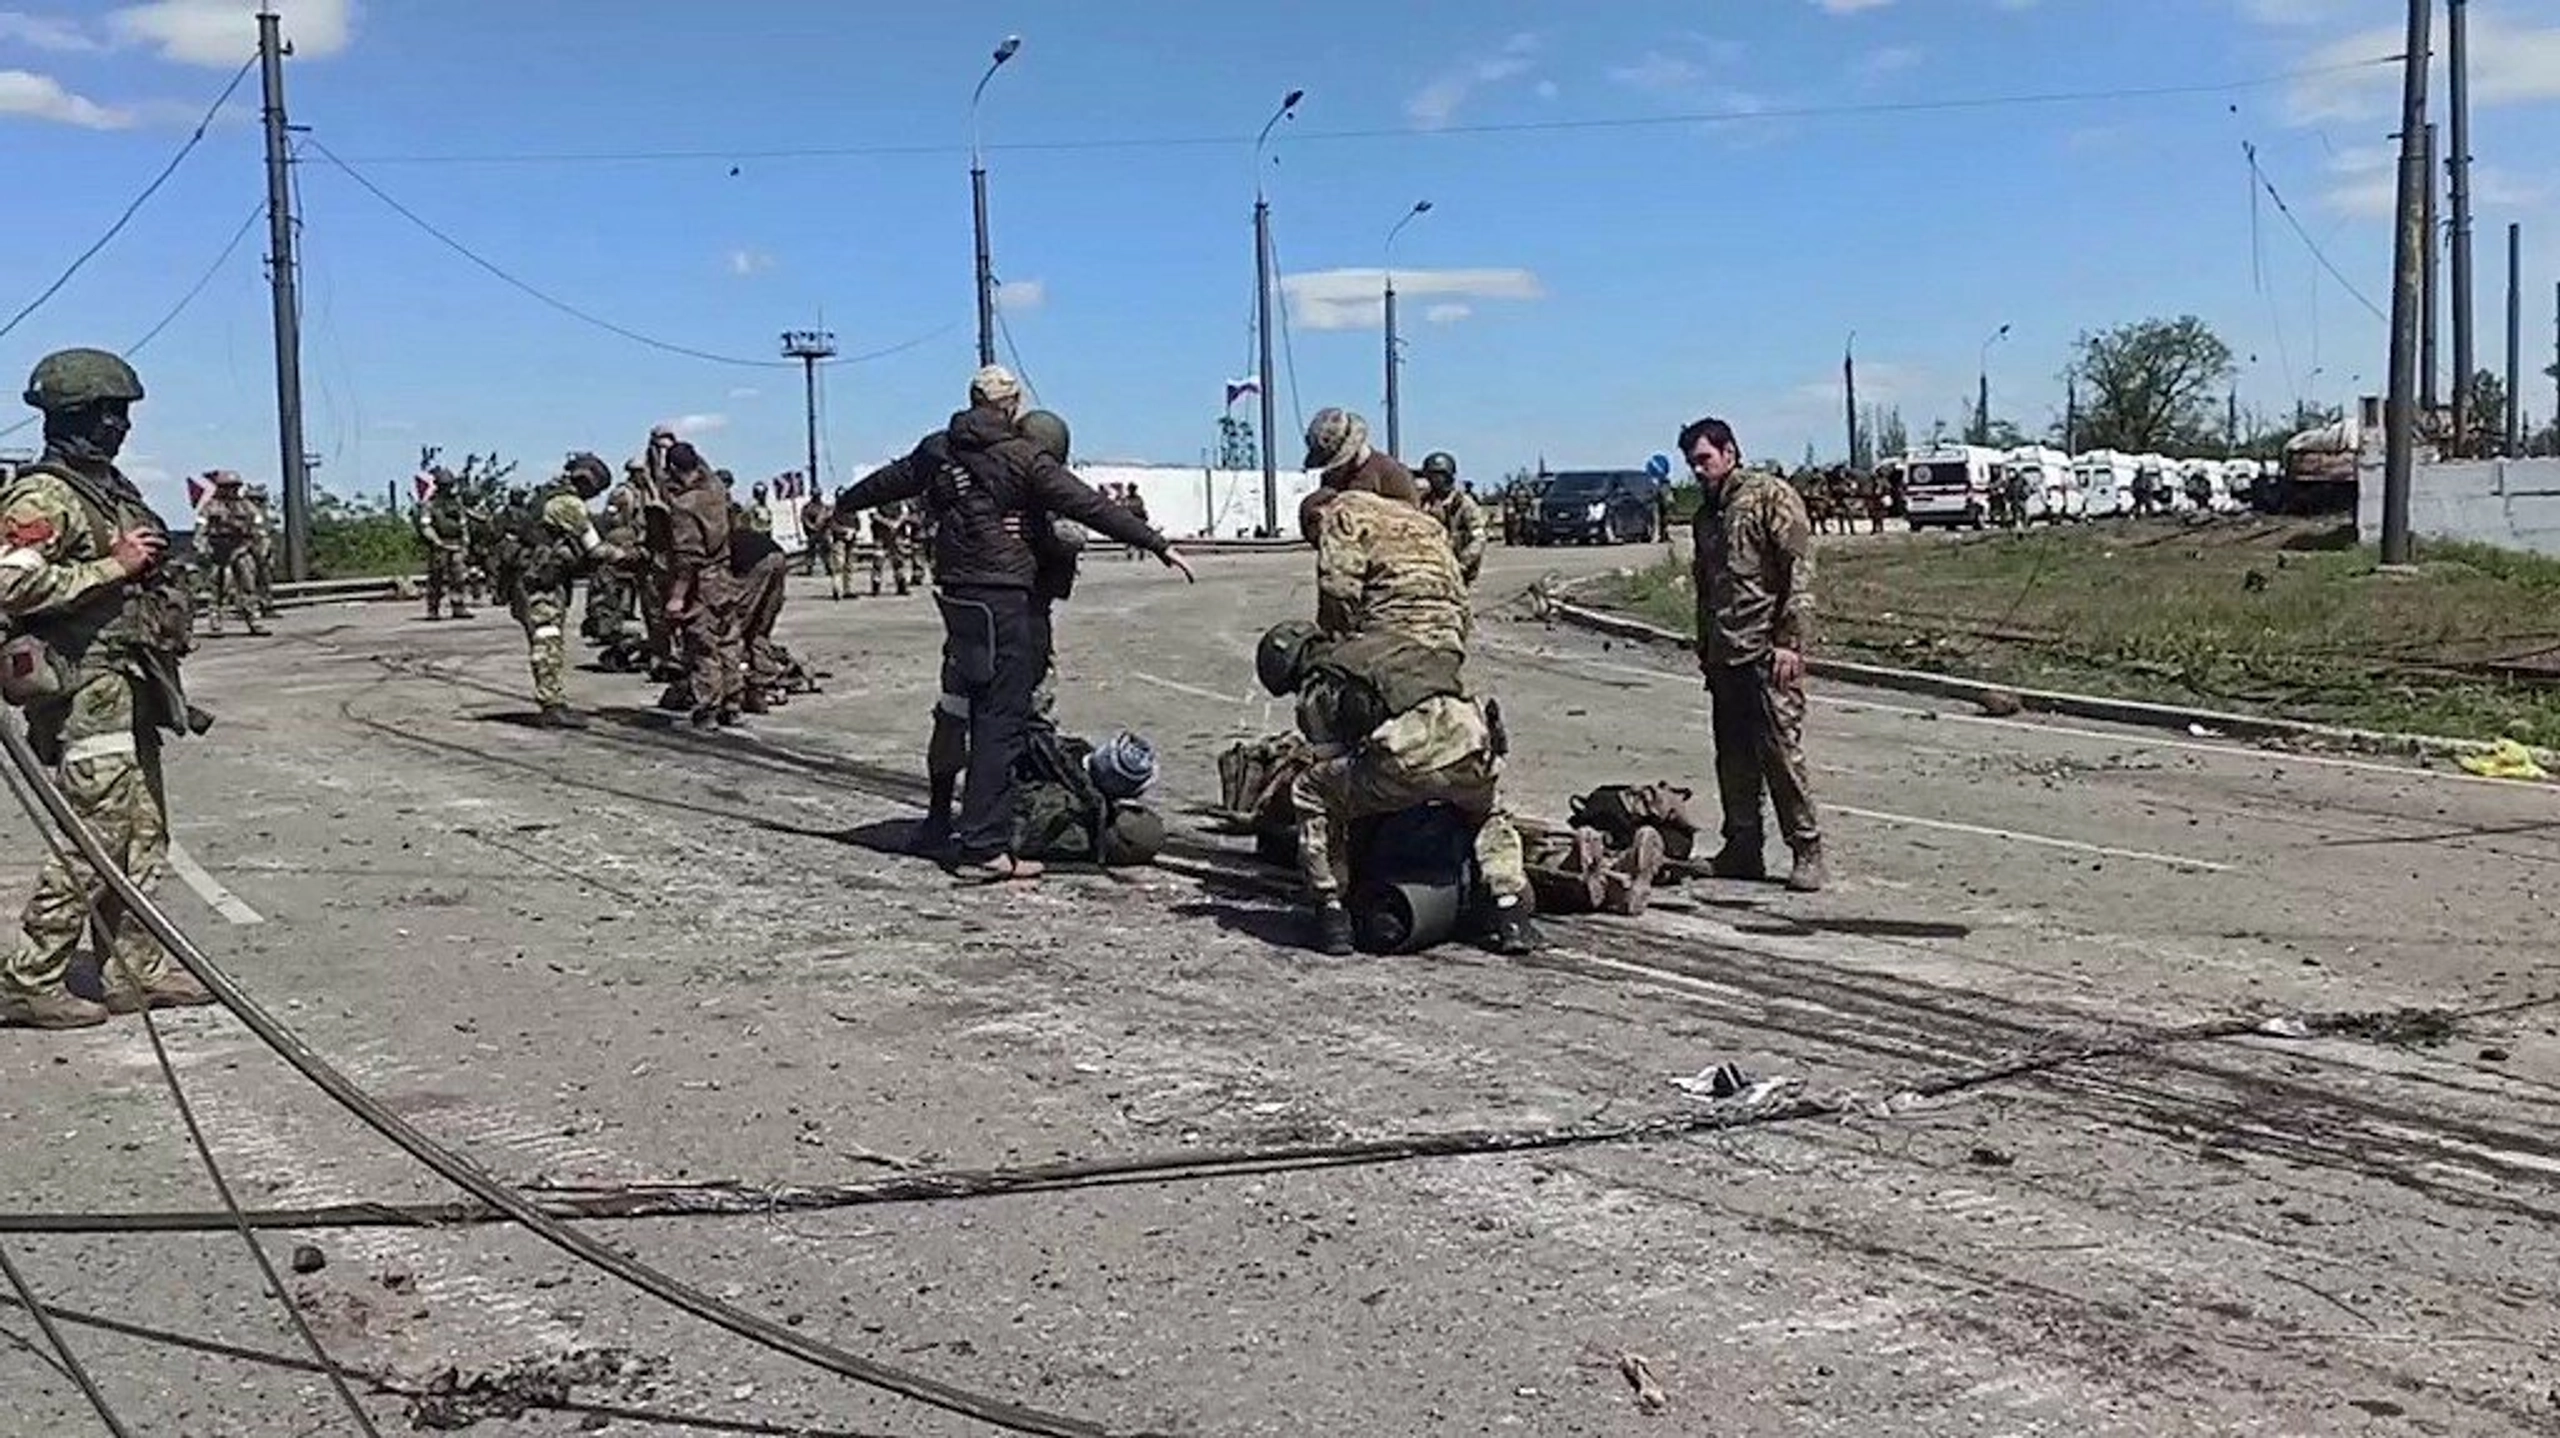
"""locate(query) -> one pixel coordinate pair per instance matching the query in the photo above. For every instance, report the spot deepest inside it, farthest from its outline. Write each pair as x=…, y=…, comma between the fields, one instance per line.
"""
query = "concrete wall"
x=2511, y=503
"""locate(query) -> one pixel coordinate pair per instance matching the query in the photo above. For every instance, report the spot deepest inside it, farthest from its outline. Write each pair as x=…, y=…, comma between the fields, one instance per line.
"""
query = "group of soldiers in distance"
x=1836, y=498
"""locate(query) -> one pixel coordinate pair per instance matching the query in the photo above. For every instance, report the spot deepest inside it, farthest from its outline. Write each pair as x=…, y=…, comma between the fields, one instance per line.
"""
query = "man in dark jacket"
x=984, y=486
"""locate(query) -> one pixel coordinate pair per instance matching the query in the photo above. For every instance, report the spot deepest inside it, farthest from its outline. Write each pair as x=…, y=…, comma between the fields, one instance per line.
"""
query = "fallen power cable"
x=471, y=1178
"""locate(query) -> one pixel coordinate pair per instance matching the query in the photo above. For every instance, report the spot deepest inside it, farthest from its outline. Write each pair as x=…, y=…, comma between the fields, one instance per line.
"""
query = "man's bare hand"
x=1173, y=560
x=136, y=550
x=1787, y=667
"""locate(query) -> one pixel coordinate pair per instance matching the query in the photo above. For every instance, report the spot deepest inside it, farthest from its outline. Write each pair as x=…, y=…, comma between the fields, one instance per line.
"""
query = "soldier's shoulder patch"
x=27, y=529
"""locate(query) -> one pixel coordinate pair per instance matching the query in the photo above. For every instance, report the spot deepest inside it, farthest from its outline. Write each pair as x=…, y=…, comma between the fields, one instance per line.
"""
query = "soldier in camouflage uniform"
x=1391, y=727
x=613, y=590
x=227, y=527
x=1753, y=569
x=555, y=541
x=98, y=626
x=843, y=539
x=1456, y=510
x=444, y=525
x=262, y=549
x=897, y=543
x=1382, y=564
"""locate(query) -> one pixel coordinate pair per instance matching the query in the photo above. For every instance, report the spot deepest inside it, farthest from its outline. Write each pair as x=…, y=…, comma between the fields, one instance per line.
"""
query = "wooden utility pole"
x=2408, y=252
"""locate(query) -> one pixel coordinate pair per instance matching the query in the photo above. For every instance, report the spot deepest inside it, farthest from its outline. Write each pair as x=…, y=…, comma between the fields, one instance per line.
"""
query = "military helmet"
x=1440, y=464
x=1283, y=649
x=226, y=479
x=1048, y=431
x=258, y=493
x=586, y=468
x=68, y=379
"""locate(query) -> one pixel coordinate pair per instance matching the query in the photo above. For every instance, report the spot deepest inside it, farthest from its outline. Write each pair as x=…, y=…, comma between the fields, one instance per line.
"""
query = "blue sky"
x=1576, y=291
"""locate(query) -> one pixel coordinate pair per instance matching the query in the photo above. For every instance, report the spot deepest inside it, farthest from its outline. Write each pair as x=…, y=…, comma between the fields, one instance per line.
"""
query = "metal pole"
x=1849, y=388
x=2465, y=357
x=809, y=384
x=2071, y=413
x=2408, y=252
x=2515, y=340
x=2555, y=370
x=1262, y=337
x=986, y=269
x=1395, y=403
x=296, y=475
x=1982, y=404
x=2432, y=301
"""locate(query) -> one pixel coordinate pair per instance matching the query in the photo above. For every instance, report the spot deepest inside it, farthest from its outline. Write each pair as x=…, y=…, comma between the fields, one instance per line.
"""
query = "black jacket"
x=971, y=475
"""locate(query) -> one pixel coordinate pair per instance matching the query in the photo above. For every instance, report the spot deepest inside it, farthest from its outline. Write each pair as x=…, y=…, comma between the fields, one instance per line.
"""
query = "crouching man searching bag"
x=1396, y=740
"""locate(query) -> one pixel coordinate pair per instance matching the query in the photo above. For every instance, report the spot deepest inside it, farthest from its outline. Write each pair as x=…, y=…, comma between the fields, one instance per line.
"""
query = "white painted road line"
x=1194, y=690
x=209, y=888
x=1985, y=831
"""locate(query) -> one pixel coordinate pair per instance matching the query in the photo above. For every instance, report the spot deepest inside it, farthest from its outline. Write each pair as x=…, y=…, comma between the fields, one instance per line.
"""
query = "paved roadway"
x=630, y=954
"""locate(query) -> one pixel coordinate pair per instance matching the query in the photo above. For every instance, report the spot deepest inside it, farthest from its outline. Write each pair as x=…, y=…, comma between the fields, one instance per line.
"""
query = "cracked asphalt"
x=629, y=954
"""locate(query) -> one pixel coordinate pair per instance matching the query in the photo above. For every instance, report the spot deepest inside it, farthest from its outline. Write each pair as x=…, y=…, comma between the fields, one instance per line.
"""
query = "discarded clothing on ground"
x=2509, y=760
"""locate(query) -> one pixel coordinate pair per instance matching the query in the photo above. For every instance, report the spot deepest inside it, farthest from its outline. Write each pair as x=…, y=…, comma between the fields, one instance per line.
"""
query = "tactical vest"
x=228, y=524
x=138, y=627
x=1380, y=676
x=542, y=557
x=447, y=520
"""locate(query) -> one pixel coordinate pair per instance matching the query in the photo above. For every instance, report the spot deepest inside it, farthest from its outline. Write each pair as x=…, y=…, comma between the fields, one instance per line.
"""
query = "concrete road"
x=631, y=954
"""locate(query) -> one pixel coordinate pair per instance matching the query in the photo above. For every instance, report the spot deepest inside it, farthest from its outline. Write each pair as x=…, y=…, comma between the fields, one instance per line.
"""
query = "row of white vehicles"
x=1965, y=485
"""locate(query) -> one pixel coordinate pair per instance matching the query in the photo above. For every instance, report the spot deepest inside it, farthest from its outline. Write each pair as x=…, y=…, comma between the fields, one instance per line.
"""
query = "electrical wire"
x=2260, y=174
x=69, y=1361
x=1012, y=352
x=469, y=1176
x=109, y=954
x=1517, y=127
x=1288, y=347
x=113, y=230
x=256, y=212
x=2258, y=279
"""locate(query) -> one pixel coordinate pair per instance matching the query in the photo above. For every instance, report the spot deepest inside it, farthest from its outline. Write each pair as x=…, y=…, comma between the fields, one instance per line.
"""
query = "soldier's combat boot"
x=175, y=989
x=257, y=630
x=57, y=1009
x=1329, y=930
x=555, y=716
x=705, y=718
x=1810, y=873
x=1513, y=936
x=755, y=703
x=1740, y=859
x=933, y=835
x=730, y=719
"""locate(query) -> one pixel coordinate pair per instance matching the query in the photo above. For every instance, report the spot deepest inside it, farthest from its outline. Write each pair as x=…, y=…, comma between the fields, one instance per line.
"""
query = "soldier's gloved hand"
x=136, y=550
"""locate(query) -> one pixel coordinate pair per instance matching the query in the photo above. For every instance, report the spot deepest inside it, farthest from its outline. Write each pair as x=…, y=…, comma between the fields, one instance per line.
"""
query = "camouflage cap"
x=1335, y=438
x=994, y=384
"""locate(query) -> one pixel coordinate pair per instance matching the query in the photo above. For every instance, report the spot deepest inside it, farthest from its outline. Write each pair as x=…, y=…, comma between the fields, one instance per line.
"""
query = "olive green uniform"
x=1754, y=574
x=228, y=527
x=445, y=525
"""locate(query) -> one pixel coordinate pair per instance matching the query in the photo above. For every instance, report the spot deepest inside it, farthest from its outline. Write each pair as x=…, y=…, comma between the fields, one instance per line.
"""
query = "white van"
x=2106, y=482
x=2240, y=479
x=1949, y=485
x=2053, y=492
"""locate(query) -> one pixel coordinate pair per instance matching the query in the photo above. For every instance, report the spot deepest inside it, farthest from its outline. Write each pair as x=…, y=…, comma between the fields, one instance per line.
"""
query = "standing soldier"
x=445, y=526
x=556, y=540
x=1136, y=504
x=228, y=527
x=98, y=625
x=843, y=540
x=1456, y=510
x=813, y=536
x=892, y=544
x=1754, y=574
x=761, y=567
x=702, y=593
x=612, y=588
x=262, y=549
x=654, y=488
x=759, y=515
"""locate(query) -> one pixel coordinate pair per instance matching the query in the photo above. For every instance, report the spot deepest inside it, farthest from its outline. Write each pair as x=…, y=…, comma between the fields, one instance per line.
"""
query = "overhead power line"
x=2309, y=243
x=193, y=139
x=1948, y=104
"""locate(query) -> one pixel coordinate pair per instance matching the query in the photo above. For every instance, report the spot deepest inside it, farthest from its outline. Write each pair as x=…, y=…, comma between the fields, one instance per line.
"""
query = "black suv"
x=1598, y=506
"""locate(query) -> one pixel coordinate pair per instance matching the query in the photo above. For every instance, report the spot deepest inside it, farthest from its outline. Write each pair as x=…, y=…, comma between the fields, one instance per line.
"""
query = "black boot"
x=1742, y=857
x=1514, y=936
x=1329, y=930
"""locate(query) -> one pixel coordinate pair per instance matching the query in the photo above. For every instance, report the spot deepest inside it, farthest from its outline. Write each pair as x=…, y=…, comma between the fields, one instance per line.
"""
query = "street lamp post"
x=978, y=203
x=1982, y=390
x=1395, y=360
x=1262, y=312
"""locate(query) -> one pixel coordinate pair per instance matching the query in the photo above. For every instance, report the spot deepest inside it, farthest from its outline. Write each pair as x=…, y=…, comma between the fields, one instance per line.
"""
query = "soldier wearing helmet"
x=227, y=531
x=556, y=541
x=99, y=625
x=262, y=549
x=1456, y=510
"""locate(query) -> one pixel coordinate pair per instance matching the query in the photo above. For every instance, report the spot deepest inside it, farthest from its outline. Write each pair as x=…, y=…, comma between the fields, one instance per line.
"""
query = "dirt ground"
x=631, y=954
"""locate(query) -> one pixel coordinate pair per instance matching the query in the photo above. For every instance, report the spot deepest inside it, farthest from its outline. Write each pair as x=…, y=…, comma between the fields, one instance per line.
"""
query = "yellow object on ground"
x=2510, y=760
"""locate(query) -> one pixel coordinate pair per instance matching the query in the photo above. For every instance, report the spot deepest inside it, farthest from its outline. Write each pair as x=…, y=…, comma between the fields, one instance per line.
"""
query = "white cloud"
x=1020, y=297
x=1436, y=103
x=743, y=263
x=745, y=392
x=41, y=97
x=1355, y=299
x=44, y=32
x=2512, y=62
x=224, y=32
x=1658, y=71
x=1886, y=60
x=1851, y=7
x=1547, y=90
x=1448, y=314
x=2296, y=12
x=690, y=425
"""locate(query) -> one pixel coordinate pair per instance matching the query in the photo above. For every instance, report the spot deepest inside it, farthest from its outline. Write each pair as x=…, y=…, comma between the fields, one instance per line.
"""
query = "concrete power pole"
x=2408, y=254
x=2515, y=341
x=1262, y=316
x=1849, y=388
x=2432, y=302
x=809, y=347
x=281, y=282
x=2465, y=357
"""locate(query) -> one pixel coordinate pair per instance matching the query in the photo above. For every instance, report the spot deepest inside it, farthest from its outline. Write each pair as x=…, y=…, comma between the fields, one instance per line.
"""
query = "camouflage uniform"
x=560, y=540
x=262, y=549
x=95, y=666
x=612, y=590
x=1754, y=576
x=1463, y=520
x=1383, y=565
x=843, y=540
x=699, y=547
x=445, y=525
x=813, y=536
x=896, y=542
x=227, y=526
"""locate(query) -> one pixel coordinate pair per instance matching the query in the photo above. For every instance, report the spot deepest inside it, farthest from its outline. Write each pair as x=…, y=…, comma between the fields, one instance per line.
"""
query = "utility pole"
x=809, y=347
x=978, y=205
x=2400, y=428
x=1395, y=359
x=1849, y=388
x=1262, y=315
x=2465, y=358
x=2071, y=414
x=1982, y=389
x=2432, y=300
x=2515, y=341
x=2555, y=370
x=281, y=282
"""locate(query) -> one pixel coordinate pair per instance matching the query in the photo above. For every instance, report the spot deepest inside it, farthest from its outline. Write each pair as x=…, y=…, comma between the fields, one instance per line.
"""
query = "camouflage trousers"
x=544, y=613
x=262, y=561
x=109, y=769
x=235, y=588
x=899, y=560
x=760, y=592
x=1759, y=734
x=1333, y=794
x=840, y=556
x=709, y=639
x=448, y=578
x=610, y=595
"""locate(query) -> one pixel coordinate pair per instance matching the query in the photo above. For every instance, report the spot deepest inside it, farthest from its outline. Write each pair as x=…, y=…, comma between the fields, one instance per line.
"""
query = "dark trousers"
x=994, y=649
x=1759, y=731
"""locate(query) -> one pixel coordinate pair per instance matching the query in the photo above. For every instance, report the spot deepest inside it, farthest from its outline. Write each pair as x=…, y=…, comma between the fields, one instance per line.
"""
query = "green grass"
x=2172, y=613
x=364, y=546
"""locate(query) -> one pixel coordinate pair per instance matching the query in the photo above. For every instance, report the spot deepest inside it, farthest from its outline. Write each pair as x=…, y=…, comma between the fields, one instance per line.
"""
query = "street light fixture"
x=1395, y=358
x=1262, y=312
x=1982, y=391
x=978, y=203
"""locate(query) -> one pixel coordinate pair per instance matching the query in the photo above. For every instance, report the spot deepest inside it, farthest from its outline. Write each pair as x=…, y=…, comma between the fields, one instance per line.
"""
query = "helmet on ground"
x=68, y=379
x=1046, y=430
x=1133, y=836
x=1440, y=464
x=1282, y=652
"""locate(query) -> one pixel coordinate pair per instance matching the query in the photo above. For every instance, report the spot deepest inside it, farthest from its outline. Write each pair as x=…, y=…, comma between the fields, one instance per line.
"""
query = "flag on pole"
x=196, y=486
x=422, y=485
x=1239, y=388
